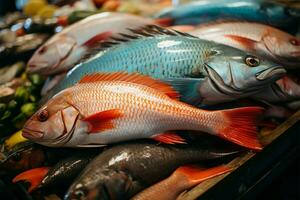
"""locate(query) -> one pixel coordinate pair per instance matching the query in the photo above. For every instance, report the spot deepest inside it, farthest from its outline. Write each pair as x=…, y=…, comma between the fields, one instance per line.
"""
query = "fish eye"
x=42, y=50
x=252, y=61
x=79, y=194
x=43, y=115
x=294, y=42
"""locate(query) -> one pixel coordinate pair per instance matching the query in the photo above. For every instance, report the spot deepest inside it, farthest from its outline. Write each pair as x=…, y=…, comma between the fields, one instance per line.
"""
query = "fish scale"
x=143, y=56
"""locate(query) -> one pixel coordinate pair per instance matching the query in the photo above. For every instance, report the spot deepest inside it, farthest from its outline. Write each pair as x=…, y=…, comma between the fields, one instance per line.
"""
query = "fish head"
x=234, y=70
x=52, y=123
x=108, y=184
x=282, y=46
x=51, y=57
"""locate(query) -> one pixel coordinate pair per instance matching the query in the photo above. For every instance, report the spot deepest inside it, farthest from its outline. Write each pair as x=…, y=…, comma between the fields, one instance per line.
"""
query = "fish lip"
x=270, y=72
x=32, y=134
x=36, y=67
x=224, y=88
x=296, y=54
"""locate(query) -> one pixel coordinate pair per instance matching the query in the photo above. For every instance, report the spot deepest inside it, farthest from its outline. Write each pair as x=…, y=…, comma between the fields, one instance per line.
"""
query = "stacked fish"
x=126, y=84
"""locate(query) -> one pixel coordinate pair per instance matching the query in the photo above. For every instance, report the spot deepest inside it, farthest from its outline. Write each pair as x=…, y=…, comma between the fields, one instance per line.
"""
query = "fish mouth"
x=271, y=73
x=36, y=67
x=222, y=87
x=296, y=54
x=32, y=134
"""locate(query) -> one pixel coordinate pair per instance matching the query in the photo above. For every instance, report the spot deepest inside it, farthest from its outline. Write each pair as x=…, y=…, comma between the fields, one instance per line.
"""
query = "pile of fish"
x=146, y=108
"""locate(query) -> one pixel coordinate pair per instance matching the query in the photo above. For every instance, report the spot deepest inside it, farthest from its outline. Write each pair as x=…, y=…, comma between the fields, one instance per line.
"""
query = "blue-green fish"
x=202, y=71
x=262, y=11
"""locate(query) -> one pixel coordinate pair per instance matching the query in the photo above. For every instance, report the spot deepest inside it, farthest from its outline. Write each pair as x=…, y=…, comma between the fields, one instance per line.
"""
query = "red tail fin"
x=164, y=21
x=241, y=126
x=196, y=174
x=33, y=176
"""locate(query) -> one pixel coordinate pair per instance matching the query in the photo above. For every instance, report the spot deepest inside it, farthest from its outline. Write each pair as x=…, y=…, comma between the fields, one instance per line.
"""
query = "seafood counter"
x=143, y=100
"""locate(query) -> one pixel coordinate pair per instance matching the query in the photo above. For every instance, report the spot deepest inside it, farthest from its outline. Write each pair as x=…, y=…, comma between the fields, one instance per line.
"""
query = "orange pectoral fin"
x=169, y=138
x=33, y=176
x=242, y=40
x=196, y=174
x=102, y=120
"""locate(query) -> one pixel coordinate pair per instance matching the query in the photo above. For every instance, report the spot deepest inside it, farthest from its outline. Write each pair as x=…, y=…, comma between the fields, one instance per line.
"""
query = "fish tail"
x=195, y=174
x=33, y=176
x=240, y=126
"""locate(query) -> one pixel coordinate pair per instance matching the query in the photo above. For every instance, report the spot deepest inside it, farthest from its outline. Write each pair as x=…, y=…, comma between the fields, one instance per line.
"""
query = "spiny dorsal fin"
x=145, y=31
x=132, y=78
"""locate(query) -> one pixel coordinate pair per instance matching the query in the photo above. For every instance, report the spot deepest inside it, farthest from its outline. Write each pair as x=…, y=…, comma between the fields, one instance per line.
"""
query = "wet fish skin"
x=125, y=169
x=286, y=89
x=66, y=170
x=64, y=49
x=203, y=11
x=112, y=107
x=266, y=41
x=186, y=63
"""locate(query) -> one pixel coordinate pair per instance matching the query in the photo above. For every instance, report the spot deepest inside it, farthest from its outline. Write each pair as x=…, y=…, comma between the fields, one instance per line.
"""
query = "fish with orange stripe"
x=108, y=108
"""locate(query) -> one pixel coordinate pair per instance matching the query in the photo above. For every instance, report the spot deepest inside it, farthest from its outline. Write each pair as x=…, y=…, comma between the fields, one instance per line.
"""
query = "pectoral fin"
x=102, y=120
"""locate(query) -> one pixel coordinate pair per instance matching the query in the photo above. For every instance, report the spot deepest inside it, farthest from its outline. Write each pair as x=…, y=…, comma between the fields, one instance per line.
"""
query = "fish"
x=202, y=11
x=106, y=108
x=284, y=90
x=267, y=41
x=64, y=49
x=183, y=178
x=59, y=175
x=123, y=170
x=203, y=72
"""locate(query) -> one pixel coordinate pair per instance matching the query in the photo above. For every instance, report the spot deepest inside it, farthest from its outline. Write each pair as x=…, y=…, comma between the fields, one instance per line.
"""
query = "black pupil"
x=252, y=61
x=43, y=116
x=42, y=50
x=79, y=193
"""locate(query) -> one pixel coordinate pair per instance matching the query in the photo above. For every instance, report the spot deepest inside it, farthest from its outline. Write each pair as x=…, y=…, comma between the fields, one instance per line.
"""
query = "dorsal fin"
x=132, y=78
x=145, y=31
x=142, y=32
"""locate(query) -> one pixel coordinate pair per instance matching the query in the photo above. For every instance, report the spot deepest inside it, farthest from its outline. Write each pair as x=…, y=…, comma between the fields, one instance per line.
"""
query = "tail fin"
x=33, y=176
x=240, y=126
x=196, y=174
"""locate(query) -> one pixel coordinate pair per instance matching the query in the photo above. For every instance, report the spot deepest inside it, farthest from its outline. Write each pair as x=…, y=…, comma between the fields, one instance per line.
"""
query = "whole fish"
x=59, y=175
x=202, y=71
x=64, y=49
x=124, y=170
x=108, y=108
x=182, y=179
x=286, y=89
x=202, y=11
x=257, y=38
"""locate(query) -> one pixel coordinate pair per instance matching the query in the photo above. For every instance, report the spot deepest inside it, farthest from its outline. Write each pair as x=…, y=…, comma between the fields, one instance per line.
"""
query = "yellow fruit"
x=16, y=138
x=47, y=11
x=128, y=8
x=33, y=7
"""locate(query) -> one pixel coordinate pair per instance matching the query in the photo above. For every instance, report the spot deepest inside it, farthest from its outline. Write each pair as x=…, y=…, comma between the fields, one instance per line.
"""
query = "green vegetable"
x=79, y=15
x=6, y=115
x=12, y=105
x=19, y=120
x=2, y=108
x=28, y=109
x=36, y=79
x=22, y=94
